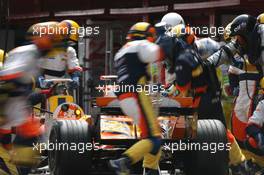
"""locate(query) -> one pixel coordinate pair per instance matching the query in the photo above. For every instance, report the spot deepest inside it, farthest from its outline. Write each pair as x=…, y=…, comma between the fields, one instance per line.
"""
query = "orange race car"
x=190, y=145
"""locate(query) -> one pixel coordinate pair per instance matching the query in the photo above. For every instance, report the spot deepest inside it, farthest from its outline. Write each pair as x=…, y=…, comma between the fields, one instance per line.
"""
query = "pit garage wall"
x=11, y=39
x=98, y=53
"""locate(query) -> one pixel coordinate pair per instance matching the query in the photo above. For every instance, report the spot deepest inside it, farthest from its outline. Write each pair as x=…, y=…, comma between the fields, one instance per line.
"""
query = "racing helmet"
x=184, y=32
x=260, y=18
x=44, y=34
x=172, y=19
x=140, y=31
x=69, y=30
x=227, y=31
x=41, y=29
x=243, y=25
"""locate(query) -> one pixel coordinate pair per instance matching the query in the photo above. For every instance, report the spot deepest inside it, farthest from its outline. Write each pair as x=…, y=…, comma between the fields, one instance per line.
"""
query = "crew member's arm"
x=224, y=55
x=72, y=61
x=186, y=68
x=74, y=68
x=206, y=47
x=150, y=52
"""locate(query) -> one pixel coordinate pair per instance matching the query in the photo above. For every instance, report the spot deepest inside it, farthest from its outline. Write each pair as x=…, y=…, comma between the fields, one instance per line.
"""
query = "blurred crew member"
x=131, y=63
x=194, y=72
x=63, y=59
x=250, y=36
x=16, y=83
x=60, y=60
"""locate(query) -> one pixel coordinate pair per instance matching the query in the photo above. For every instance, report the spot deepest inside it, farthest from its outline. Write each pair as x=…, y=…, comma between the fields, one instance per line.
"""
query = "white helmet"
x=172, y=19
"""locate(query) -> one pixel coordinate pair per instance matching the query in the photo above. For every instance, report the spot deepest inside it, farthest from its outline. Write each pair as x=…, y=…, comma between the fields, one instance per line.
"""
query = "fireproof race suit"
x=16, y=79
x=225, y=55
x=255, y=123
x=131, y=63
x=206, y=47
x=249, y=78
x=57, y=62
x=193, y=73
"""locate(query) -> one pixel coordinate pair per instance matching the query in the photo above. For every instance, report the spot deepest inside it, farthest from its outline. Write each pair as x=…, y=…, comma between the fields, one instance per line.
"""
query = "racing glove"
x=43, y=83
x=256, y=133
x=75, y=80
x=225, y=54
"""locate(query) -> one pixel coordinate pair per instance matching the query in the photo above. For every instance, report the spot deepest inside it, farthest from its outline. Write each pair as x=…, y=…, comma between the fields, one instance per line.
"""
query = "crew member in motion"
x=131, y=63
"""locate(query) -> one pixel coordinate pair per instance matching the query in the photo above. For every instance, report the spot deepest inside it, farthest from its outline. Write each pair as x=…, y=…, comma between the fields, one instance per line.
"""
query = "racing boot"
x=148, y=171
x=121, y=166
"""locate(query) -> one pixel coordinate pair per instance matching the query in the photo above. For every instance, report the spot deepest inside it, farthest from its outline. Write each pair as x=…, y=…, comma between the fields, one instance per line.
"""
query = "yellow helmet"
x=69, y=29
x=142, y=30
x=227, y=32
x=44, y=34
x=43, y=29
x=261, y=18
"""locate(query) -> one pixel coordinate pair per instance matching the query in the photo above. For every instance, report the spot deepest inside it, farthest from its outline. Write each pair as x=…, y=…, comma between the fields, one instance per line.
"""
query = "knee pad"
x=156, y=145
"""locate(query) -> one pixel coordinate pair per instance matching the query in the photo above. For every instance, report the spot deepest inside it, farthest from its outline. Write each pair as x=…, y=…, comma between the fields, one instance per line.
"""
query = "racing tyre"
x=211, y=156
x=70, y=148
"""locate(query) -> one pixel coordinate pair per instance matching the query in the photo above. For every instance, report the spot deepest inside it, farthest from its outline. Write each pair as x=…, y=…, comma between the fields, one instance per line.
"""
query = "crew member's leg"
x=6, y=167
x=237, y=160
x=25, y=127
x=139, y=106
x=235, y=155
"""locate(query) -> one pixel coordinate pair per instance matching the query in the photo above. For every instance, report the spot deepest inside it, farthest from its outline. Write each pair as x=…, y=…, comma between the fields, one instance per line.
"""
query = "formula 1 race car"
x=190, y=146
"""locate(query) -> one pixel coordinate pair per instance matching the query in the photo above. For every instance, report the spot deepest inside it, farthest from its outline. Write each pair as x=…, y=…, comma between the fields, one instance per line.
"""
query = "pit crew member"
x=131, y=63
x=17, y=81
x=250, y=36
x=192, y=73
x=59, y=61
